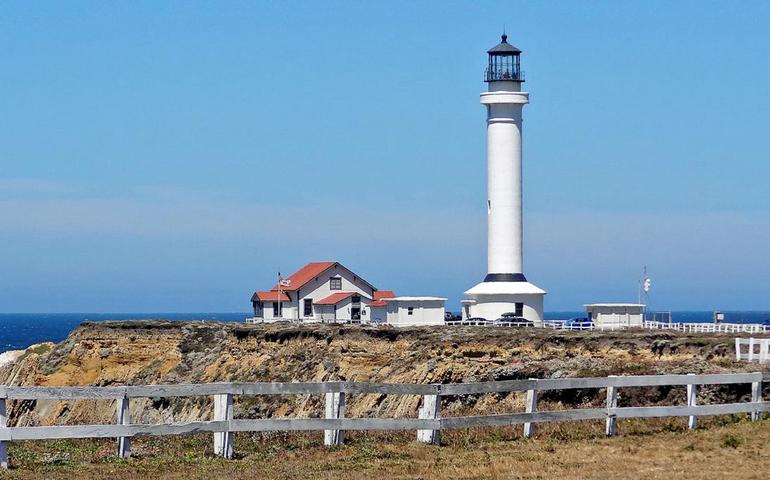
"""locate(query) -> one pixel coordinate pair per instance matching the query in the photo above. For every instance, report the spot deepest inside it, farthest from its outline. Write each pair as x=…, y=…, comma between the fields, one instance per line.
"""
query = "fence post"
x=123, y=417
x=223, y=410
x=737, y=349
x=756, y=398
x=751, y=349
x=764, y=350
x=3, y=445
x=335, y=408
x=531, y=407
x=692, y=394
x=431, y=408
x=612, y=402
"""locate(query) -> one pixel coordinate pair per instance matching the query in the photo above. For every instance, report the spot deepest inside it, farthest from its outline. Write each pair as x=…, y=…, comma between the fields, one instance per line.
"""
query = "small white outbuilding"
x=415, y=311
x=616, y=315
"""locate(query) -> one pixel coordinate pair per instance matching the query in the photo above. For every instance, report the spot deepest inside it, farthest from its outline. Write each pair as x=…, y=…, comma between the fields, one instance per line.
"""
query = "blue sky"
x=173, y=156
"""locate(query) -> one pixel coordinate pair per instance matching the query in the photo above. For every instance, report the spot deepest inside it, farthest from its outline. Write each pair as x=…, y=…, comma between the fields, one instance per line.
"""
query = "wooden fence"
x=428, y=423
x=757, y=349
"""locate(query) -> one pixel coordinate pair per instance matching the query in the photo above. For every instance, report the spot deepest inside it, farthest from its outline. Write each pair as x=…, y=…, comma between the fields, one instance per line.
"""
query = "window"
x=410, y=310
x=277, y=309
x=308, y=307
x=335, y=283
x=356, y=299
x=519, y=309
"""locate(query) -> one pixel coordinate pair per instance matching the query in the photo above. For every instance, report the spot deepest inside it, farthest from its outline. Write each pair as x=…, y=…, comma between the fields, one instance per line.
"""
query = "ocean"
x=20, y=330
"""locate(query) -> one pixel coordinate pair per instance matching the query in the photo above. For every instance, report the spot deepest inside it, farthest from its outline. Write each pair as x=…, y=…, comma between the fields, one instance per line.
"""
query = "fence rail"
x=428, y=424
x=709, y=327
x=758, y=349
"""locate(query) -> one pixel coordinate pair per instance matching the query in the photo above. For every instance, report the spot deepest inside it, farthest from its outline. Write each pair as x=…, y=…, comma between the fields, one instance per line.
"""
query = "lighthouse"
x=505, y=289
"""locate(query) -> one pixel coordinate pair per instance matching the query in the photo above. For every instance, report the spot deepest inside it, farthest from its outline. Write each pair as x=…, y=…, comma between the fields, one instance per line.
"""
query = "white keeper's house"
x=322, y=291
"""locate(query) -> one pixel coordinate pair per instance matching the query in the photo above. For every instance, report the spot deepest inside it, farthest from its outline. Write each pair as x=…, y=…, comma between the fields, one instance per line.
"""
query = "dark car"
x=451, y=317
x=475, y=321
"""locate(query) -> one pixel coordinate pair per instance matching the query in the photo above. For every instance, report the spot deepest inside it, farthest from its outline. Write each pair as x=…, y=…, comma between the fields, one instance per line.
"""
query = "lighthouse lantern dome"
x=504, y=65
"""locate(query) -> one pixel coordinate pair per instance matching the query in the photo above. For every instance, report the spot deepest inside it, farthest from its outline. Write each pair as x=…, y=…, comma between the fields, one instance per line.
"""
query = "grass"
x=723, y=447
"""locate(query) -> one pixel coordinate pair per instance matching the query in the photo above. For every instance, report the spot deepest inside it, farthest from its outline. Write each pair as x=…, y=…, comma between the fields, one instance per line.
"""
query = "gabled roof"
x=270, y=297
x=305, y=274
x=335, y=298
x=310, y=271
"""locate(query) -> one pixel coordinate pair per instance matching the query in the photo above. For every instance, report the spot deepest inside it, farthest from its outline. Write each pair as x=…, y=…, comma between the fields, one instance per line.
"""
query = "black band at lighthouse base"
x=505, y=277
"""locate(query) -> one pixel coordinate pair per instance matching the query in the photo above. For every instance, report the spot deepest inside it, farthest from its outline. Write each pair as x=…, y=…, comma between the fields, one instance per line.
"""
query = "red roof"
x=380, y=295
x=270, y=297
x=304, y=275
x=334, y=298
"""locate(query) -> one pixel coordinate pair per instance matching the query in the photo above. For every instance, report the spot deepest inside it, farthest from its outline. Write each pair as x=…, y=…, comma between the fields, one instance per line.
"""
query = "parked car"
x=579, y=323
x=508, y=321
x=451, y=317
x=475, y=321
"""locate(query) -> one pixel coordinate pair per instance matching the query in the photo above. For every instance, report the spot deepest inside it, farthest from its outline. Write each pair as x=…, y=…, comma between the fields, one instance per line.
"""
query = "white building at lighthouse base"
x=490, y=300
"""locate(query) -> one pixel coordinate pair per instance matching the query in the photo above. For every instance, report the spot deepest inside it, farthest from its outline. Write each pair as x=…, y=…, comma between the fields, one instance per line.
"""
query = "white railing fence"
x=757, y=349
x=709, y=327
x=428, y=424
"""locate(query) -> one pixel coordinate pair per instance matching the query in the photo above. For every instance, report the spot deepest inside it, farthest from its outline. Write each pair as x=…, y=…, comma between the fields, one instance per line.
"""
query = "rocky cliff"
x=146, y=352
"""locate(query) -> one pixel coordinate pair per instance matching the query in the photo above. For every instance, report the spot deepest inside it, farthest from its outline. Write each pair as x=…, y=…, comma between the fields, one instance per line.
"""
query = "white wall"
x=616, y=316
x=289, y=310
x=378, y=314
x=492, y=307
x=318, y=288
x=424, y=312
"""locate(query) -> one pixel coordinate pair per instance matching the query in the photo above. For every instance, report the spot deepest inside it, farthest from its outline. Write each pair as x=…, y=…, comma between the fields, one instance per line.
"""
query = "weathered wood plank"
x=311, y=424
x=531, y=407
x=686, y=410
x=611, y=426
x=123, y=417
x=431, y=409
x=756, y=397
x=3, y=429
x=393, y=388
x=223, y=411
x=334, y=408
x=289, y=388
x=187, y=390
x=43, y=393
x=487, y=387
x=692, y=400
x=108, y=431
x=180, y=390
x=646, y=381
x=519, y=418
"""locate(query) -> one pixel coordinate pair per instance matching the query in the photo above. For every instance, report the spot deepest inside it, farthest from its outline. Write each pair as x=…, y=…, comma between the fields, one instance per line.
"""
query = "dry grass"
x=646, y=449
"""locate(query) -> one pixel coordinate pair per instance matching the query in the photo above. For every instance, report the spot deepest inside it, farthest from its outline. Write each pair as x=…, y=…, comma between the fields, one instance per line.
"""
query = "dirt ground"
x=721, y=448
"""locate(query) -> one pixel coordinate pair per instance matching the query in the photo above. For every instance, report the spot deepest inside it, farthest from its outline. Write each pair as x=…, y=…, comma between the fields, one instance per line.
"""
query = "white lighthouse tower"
x=505, y=288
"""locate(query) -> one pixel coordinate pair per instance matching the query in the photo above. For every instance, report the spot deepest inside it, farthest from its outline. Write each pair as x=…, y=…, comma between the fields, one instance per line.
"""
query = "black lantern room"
x=504, y=63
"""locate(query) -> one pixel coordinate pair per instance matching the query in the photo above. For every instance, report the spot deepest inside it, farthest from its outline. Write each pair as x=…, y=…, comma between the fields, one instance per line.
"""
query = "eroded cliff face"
x=147, y=352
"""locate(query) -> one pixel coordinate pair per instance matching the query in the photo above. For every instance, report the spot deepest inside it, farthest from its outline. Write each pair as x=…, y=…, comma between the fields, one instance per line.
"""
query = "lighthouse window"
x=410, y=310
x=519, y=309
